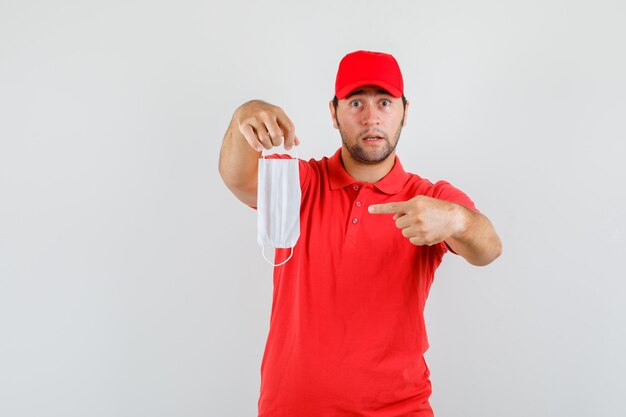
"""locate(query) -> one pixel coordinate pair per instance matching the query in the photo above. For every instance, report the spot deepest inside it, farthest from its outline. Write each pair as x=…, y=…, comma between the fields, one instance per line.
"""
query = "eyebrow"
x=357, y=92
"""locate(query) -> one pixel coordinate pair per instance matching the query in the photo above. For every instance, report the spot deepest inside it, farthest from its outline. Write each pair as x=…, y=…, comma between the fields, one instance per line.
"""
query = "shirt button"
x=355, y=220
x=356, y=187
x=358, y=204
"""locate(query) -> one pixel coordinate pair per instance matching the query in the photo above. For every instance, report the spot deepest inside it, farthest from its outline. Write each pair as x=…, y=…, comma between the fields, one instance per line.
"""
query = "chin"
x=365, y=157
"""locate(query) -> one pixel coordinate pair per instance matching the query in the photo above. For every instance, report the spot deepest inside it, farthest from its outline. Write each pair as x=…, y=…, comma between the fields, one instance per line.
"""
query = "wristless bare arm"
x=475, y=239
x=255, y=125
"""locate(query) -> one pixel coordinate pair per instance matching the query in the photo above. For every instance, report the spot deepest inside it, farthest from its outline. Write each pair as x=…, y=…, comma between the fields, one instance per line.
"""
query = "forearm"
x=238, y=164
x=475, y=240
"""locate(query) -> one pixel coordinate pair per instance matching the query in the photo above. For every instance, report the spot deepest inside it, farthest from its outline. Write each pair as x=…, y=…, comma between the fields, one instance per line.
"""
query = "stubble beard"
x=360, y=154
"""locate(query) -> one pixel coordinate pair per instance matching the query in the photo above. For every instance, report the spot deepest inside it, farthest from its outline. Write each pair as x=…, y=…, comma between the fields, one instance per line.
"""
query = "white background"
x=131, y=283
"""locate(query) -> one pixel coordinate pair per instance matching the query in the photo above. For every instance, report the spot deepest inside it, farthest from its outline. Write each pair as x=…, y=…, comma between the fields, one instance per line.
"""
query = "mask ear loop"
x=272, y=263
x=295, y=149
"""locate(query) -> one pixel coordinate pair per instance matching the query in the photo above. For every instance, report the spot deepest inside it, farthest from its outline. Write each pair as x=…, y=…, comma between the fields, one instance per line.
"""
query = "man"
x=347, y=333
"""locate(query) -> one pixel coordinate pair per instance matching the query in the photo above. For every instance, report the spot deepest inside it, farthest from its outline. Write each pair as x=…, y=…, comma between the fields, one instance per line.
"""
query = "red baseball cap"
x=368, y=68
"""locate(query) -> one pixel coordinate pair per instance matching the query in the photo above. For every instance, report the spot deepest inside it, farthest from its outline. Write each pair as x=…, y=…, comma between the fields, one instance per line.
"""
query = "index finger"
x=387, y=208
x=248, y=133
x=289, y=130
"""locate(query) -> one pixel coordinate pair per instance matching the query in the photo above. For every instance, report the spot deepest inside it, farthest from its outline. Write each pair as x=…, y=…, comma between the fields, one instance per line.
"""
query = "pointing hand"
x=423, y=220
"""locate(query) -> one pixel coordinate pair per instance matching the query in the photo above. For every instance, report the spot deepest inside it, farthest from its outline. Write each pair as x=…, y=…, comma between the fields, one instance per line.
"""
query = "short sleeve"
x=443, y=190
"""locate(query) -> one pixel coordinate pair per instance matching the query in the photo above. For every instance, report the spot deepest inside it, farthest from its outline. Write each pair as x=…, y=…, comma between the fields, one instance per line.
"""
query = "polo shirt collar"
x=392, y=183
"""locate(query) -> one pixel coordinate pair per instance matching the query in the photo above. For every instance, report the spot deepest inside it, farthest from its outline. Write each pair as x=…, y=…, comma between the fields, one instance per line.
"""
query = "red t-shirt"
x=347, y=332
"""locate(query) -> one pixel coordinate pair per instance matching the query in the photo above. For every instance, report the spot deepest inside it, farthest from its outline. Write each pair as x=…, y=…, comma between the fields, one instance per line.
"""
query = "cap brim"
x=347, y=89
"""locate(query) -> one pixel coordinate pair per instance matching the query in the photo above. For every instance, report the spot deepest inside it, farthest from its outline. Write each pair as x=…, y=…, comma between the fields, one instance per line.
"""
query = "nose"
x=371, y=116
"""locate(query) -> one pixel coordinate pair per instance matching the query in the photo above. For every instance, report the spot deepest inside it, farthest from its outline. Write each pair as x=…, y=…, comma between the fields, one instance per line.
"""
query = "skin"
x=368, y=111
x=364, y=112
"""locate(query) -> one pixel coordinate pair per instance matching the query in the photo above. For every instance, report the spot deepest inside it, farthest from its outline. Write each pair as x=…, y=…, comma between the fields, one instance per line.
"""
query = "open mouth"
x=372, y=138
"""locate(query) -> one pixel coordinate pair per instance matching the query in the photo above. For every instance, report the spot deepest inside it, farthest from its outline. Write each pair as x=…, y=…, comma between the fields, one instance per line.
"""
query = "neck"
x=367, y=172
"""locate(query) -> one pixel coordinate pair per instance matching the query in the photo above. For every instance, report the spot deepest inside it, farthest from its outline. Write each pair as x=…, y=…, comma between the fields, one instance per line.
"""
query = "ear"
x=333, y=114
x=406, y=113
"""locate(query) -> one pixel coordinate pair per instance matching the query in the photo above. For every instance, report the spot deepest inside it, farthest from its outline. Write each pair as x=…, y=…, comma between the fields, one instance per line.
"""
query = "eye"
x=385, y=103
x=355, y=103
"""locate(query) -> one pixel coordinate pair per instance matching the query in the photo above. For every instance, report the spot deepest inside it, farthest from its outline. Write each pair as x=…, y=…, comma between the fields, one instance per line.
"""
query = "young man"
x=347, y=333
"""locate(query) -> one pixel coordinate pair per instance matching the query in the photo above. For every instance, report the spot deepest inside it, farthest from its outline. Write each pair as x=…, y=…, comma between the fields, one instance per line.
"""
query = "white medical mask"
x=278, y=204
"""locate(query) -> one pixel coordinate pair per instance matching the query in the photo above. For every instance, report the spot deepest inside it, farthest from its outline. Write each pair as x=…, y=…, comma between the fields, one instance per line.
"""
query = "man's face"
x=369, y=120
